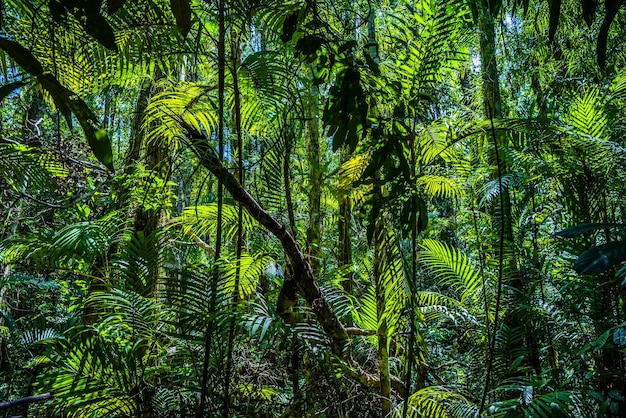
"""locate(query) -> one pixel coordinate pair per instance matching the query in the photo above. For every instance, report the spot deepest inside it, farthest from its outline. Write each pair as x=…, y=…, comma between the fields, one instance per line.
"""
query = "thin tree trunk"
x=238, y=146
x=382, y=329
x=303, y=273
x=208, y=336
x=345, y=238
x=315, y=181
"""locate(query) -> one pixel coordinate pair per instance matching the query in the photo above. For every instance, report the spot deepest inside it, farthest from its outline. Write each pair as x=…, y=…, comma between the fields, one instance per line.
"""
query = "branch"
x=371, y=381
x=188, y=232
x=24, y=401
x=359, y=331
x=302, y=272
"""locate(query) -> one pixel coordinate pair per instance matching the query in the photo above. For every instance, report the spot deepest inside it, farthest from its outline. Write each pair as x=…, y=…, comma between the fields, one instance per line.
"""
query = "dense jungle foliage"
x=368, y=208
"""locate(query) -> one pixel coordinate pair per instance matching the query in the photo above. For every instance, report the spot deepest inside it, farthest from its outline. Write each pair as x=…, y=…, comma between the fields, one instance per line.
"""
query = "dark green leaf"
x=555, y=14
x=87, y=12
x=348, y=46
x=22, y=56
x=182, y=13
x=495, y=6
x=599, y=259
x=372, y=64
x=289, y=26
x=98, y=27
x=577, y=230
x=10, y=88
x=589, y=11
x=619, y=337
x=65, y=99
x=114, y=5
x=307, y=45
x=58, y=12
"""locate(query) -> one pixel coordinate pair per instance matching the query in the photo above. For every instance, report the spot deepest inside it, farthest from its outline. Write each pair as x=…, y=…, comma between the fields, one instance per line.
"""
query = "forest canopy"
x=381, y=208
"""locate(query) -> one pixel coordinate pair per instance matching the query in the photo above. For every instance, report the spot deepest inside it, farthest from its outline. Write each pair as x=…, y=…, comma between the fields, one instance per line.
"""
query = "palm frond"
x=129, y=318
x=95, y=378
x=87, y=239
x=262, y=322
x=26, y=168
x=440, y=186
x=245, y=270
x=170, y=113
x=438, y=402
x=202, y=220
x=452, y=268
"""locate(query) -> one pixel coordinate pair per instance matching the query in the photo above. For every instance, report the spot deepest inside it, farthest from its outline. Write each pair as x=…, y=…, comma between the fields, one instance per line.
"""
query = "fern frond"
x=586, y=115
x=492, y=189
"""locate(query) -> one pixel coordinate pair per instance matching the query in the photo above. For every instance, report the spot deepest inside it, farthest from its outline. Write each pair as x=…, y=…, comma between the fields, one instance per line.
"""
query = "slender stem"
x=412, y=290
x=208, y=337
x=239, y=248
x=500, y=270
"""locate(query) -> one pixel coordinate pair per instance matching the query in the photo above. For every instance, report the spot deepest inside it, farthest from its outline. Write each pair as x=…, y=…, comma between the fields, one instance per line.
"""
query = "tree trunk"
x=303, y=273
x=315, y=180
x=382, y=330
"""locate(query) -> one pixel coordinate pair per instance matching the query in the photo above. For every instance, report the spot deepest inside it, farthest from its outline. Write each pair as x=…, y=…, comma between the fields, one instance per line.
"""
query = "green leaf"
x=599, y=259
x=307, y=45
x=182, y=13
x=114, y=5
x=22, y=56
x=581, y=229
x=10, y=88
x=101, y=147
x=619, y=337
x=589, y=11
x=97, y=138
x=98, y=27
x=290, y=25
x=88, y=15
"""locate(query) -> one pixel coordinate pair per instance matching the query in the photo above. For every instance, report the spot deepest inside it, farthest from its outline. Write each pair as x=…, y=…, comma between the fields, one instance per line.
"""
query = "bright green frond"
x=245, y=271
x=438, y=402
x=452, y=268
x=441, y=186
x=202, y=220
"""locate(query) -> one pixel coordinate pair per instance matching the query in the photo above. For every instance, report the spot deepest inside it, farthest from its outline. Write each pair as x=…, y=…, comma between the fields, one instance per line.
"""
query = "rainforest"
x=312, y=208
